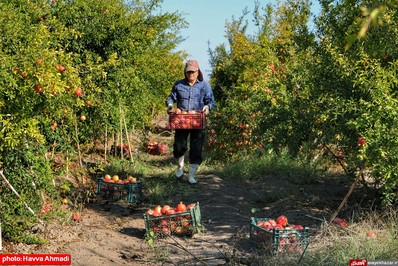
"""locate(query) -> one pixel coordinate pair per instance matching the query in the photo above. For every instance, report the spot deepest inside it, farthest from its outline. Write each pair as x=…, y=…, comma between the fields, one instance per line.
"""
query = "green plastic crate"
x=183, y=223
x=131, y=192
x=287, y=241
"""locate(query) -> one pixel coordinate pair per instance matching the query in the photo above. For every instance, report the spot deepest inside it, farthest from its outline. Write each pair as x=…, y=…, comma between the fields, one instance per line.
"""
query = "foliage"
x=261, y=83
x=30, y=175
x=317, y=93
x=362, y=103
x=61, y=60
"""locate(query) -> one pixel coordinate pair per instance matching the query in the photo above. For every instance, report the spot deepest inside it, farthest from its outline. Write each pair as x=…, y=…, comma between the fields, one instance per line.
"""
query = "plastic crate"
x=131, y=192
x=187, y=121
x=178, y=224
x=287, y=241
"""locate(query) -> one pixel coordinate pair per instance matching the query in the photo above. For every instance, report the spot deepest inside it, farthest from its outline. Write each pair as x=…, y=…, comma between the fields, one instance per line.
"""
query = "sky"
x=207, y=20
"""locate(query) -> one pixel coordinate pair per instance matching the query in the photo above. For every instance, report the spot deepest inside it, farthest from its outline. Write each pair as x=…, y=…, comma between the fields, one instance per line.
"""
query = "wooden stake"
x=114, y=144
x=78, y=145
x=53, y=150
x=121, y=133
x=128, y=138
x=344, y=201
x=106, y=141
x=67, y=166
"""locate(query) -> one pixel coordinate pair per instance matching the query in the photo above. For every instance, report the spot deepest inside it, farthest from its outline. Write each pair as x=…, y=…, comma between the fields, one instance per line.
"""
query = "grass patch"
x=297, y=170
x=373, y=237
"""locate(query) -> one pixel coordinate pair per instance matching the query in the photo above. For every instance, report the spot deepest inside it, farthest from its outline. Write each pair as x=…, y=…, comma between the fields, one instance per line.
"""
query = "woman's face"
x=192, y=76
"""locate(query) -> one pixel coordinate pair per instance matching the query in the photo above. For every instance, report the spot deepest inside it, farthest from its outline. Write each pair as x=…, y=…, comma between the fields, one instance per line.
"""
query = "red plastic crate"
x=187, y=121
